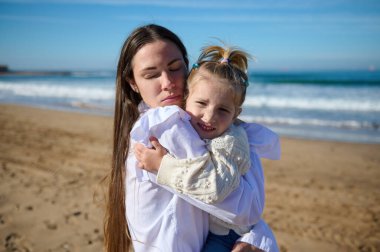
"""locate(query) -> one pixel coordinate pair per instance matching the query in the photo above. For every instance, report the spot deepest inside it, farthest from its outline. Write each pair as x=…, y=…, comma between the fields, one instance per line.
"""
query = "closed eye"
x=175, y=65
x=151, y=76
x=175, y=68
x=225, y=110
x=201, y=103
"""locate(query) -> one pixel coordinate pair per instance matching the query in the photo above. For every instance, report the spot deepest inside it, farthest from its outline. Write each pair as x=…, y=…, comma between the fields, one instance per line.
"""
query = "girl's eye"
x=224, y=110
x=201, y=103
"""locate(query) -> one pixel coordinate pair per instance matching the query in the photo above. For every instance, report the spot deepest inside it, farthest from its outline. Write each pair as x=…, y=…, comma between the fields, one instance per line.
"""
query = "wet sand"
x=321, y=196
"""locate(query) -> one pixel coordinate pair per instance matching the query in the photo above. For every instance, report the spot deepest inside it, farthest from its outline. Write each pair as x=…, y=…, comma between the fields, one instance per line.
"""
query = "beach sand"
x=321, y=196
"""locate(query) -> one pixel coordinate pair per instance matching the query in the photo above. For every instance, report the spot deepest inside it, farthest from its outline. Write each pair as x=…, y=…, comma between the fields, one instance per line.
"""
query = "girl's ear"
x=238, y=111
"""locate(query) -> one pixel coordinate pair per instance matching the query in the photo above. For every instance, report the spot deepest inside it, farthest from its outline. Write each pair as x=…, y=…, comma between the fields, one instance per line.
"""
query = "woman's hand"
x=245, y=247
x=150, y=159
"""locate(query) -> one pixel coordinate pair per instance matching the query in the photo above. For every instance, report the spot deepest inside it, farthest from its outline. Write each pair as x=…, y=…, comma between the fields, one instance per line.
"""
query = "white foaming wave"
x=313, y=103
x=58, y=91
x=347, y=124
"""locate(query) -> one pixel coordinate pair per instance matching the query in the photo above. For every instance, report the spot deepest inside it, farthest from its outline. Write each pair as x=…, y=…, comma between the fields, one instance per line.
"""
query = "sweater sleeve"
x=171, y=126
x=212, y=177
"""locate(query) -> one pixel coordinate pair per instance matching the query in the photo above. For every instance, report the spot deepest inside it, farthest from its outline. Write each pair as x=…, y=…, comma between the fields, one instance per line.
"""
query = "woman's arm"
x=243, y=206
x=209, y=178
x=260, y=236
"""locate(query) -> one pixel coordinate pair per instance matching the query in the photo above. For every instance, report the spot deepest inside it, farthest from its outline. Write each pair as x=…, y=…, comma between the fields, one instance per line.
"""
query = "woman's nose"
x=166, y=81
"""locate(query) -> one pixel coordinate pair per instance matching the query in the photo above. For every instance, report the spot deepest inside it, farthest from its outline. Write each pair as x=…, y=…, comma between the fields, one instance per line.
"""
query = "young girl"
x=150, y=76
x=216, y=91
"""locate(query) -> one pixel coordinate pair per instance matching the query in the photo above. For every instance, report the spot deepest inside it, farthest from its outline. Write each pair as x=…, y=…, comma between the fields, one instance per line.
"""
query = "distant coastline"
x=5, y=71
x=34, y=73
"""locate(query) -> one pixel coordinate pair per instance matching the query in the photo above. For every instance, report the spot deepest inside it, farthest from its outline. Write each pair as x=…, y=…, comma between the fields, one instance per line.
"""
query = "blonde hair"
x=227, y=63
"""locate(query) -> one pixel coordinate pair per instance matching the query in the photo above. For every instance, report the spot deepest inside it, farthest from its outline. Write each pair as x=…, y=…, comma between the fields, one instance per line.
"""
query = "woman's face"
x=159, y=74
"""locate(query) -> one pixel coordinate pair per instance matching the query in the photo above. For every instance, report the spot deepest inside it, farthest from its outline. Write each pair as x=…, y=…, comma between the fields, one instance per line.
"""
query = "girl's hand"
x=150, y=159
x=242, y=246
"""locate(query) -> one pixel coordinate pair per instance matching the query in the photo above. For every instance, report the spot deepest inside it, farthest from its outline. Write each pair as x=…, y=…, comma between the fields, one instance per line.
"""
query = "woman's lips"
x=172, y=99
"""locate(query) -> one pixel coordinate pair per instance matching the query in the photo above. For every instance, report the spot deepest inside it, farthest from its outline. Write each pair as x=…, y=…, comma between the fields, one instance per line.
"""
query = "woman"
x=151, y=73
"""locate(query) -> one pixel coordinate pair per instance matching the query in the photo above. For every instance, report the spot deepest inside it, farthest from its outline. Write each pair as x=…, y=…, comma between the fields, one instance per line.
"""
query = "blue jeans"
x=220, y=243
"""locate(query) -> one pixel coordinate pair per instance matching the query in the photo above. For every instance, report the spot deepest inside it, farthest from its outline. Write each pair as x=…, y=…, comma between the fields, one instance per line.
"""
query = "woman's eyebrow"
x=153, y=67
x=148, y=68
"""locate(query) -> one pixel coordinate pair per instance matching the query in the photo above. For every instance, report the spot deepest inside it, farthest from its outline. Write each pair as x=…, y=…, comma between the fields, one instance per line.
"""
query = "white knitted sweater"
x=213, y=176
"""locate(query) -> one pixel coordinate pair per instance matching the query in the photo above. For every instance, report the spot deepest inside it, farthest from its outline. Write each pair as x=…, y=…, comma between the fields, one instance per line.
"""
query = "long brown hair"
x=116, y=235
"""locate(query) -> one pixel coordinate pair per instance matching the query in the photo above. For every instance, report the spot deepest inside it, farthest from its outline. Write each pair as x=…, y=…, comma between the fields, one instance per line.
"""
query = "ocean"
x=339, y=106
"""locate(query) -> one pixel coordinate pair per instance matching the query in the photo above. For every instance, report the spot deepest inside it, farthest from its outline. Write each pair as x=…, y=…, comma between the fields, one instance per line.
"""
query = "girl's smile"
x=211, y=106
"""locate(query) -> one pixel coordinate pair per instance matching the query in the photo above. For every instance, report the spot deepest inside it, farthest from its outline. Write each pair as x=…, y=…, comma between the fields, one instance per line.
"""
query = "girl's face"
x=159, y=74
x=211, y=106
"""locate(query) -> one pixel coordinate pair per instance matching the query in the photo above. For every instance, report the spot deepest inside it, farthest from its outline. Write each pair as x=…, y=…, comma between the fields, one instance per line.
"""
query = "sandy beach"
x=321, y=196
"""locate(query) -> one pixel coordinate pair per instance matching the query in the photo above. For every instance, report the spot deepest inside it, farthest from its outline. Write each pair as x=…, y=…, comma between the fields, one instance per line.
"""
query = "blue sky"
x=283, y=35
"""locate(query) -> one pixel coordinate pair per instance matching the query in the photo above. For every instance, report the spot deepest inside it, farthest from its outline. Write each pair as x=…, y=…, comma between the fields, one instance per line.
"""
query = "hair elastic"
x=224, y=60
x=195, y=66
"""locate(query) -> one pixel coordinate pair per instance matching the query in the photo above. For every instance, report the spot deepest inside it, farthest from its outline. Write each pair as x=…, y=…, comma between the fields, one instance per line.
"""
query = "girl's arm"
x=209, y=178
x=172, y=128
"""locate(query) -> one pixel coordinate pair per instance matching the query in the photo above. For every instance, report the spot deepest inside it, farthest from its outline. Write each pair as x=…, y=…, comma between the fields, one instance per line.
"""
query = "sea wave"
x=346, y=124
x=58, y=91
x=321, y=82
x=352, y=78
x=305, y=103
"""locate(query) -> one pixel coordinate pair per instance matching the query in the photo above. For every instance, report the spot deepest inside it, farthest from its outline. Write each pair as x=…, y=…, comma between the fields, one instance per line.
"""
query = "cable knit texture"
x=213, y=176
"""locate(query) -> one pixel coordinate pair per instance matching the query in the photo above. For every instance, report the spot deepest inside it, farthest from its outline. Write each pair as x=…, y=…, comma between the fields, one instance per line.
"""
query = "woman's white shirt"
x=161, y=219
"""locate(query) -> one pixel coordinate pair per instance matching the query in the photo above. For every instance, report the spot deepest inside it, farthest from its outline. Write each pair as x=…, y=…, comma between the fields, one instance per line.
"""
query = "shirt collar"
x=143, y=107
